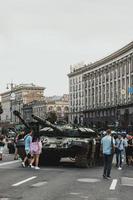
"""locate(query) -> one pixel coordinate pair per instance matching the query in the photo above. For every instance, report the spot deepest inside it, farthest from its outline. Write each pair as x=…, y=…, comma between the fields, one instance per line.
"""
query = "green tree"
x=1, y=110
x=52, y=117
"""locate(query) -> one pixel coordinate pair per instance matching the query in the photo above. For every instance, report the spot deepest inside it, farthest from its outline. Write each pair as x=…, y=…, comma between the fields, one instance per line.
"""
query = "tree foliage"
x=52, y=117
x=1, y=110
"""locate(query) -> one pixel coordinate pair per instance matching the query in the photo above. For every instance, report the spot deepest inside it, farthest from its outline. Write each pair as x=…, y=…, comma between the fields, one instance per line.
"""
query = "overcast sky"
x=40, y=39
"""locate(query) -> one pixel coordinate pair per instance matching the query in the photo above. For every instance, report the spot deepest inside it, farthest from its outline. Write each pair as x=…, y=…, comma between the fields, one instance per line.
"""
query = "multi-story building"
x=17, y=97
x=76, y=100
x=37, y=108
x=59, y=105
x=101, y=92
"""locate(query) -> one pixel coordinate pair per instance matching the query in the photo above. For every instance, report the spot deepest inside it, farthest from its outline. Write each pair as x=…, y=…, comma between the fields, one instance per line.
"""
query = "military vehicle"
x=80, y=144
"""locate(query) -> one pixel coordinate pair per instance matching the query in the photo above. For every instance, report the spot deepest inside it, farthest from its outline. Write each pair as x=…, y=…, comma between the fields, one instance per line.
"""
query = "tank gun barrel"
x=45, y=123
x=18, y=114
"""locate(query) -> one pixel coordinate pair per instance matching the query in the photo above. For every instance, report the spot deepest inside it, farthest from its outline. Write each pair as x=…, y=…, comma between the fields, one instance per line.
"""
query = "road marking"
x=74, y=193
x=39, y=184
x=24, y=181
x=113, y=184
x=127, y=181
x=88, y=180
x=4, y=198
x=84, y=197
x=9, y=163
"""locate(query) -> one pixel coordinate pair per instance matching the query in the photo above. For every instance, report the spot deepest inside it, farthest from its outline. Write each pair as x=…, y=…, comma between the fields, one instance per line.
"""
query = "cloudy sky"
x=40, y=39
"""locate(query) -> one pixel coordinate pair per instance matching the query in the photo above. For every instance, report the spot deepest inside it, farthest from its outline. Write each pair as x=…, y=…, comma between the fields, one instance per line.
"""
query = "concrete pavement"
x=63, y=183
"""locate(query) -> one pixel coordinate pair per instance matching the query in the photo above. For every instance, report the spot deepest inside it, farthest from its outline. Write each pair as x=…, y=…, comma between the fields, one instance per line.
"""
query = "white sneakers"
x=37, y=167
x=23, y=164
x=34, y=167
x=119, y=168
x=31, y=166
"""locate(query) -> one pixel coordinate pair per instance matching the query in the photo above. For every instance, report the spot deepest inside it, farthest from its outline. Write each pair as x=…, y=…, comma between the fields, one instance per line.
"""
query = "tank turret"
x=46, y=123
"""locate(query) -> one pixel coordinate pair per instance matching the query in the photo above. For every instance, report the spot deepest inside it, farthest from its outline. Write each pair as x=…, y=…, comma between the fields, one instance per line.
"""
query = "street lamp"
x=11, y=98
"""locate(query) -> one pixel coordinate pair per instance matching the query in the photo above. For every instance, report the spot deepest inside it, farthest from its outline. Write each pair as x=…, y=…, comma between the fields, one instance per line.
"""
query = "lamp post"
x=11, y=98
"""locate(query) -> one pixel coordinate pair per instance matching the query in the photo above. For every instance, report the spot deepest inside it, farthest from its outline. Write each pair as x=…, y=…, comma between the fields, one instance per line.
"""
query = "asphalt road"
x=64, y=182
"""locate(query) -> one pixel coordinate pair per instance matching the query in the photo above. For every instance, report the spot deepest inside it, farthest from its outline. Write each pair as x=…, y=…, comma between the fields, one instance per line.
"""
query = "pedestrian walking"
x=27, y=142
x=2, y=144
x=129, y=151
x=108, y=145
x=36, y=149
x=18, y=137
x=120, y=145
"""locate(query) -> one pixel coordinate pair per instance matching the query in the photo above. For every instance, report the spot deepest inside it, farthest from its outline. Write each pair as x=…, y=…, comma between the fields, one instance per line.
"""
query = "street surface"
x=64, y=182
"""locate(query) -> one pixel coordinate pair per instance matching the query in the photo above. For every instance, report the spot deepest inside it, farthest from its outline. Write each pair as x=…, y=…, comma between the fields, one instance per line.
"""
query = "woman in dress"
x=35, y=149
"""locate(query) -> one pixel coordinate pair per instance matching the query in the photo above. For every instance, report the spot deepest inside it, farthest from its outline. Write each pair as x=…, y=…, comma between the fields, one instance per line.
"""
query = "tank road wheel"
x=81, y=160
x=54, y=160
x=49, y=160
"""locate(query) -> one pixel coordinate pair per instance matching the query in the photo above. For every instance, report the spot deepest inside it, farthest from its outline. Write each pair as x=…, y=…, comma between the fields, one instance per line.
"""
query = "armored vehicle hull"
x=78, y=143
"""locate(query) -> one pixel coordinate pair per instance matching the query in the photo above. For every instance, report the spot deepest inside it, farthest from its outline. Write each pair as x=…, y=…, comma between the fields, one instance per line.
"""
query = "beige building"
x=17, y=97
x=60, y=105
x=37, y=108
x=100, y=92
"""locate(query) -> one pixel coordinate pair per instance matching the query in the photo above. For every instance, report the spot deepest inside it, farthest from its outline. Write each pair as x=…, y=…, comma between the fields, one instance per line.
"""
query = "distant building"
x=101, y=93
x=17, y=97
x=37, y=108
x=58, y=105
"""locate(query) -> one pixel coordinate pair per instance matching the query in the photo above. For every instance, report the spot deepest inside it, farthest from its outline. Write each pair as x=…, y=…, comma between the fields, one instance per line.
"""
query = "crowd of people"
x=32, y=148
x=121, y=146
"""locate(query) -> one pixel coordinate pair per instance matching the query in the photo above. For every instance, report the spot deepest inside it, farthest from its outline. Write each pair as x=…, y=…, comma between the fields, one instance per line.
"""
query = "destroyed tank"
x=81, y=144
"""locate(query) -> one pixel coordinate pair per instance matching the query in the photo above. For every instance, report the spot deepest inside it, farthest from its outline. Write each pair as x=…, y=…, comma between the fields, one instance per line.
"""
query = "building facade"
x=58, y=105
x=17, y=97
x=37, y=108
x=101, y=92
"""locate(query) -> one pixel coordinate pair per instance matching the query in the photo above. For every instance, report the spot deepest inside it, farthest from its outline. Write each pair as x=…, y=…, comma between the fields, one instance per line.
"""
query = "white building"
x=99, y=92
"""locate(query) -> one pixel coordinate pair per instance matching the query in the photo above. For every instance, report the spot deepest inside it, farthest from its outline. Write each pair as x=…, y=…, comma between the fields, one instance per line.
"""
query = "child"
x=35, y=149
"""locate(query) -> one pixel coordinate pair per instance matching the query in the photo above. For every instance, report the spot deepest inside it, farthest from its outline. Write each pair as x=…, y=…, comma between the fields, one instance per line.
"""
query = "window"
x=123, y=69
x=131, y=62
x=114, y=74
x=127, y=67
x=118, y=71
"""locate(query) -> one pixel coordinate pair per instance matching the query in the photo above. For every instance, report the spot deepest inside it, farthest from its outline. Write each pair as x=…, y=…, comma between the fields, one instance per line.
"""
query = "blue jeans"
x=119, y=157
x=107, y=165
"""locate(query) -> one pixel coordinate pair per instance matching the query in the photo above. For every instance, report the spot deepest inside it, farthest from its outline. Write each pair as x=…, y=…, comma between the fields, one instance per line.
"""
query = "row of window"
x=122, y=67
x=90, y=83
x=76, y=80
